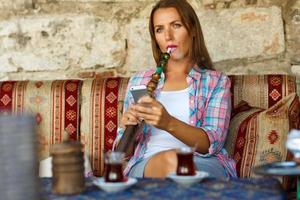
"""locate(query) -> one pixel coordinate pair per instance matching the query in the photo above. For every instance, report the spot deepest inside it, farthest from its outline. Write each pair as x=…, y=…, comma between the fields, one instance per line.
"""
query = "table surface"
x=210, y=188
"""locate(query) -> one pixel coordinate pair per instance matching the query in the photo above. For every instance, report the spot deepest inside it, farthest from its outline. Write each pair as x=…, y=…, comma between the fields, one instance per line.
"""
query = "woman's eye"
x=177, y=25
x=158, y=30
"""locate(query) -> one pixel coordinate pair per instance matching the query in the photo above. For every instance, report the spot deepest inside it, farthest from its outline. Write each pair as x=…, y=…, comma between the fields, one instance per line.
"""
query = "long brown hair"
x=198, y=52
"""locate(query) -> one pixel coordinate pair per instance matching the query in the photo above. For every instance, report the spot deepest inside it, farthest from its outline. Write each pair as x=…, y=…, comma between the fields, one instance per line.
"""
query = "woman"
x=192, y=105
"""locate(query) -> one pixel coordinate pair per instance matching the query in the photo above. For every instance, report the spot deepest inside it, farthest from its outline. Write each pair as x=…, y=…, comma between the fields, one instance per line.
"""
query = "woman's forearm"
x=191, y=136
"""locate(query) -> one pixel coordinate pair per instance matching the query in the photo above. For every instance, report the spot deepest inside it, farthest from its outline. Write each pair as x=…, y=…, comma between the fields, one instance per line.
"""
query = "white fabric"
x=45, y=167
x=177, y=104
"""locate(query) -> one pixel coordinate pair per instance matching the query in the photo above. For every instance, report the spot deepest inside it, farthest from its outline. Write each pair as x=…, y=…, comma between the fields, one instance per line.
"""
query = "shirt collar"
x=195, y=73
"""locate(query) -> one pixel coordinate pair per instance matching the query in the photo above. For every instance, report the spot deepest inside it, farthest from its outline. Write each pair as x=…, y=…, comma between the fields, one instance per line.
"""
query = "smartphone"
x=138, y=91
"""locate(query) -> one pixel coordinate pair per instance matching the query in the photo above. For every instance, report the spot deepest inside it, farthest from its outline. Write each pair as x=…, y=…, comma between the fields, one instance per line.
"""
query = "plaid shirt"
x=210, y=107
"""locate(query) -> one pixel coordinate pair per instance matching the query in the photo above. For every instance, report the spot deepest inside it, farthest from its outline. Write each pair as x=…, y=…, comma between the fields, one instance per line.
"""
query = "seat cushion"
x=54, y=104
x=101, y=110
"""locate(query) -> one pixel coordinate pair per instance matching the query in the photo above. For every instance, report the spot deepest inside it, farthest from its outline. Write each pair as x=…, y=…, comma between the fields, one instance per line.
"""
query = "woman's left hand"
x=152, y=112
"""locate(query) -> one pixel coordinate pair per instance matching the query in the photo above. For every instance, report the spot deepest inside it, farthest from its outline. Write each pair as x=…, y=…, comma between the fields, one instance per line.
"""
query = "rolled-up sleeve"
x=216, y=116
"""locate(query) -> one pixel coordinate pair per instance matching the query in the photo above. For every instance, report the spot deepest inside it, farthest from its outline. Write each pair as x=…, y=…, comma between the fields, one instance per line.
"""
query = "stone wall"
x=58, y=39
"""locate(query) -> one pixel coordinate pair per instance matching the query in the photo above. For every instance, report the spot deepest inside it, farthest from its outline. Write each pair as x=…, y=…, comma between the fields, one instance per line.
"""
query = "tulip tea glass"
x=114, y=166
x=185, y=166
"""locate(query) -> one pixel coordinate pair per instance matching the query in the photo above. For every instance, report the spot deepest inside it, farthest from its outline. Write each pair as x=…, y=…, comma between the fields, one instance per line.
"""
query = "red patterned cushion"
x=55, y=105
x=261, y=91
x=257, y=136
x=101, y=110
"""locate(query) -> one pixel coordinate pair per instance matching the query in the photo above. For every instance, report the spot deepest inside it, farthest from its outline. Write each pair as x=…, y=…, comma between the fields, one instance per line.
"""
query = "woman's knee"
x=161, y=164
x=169, y=159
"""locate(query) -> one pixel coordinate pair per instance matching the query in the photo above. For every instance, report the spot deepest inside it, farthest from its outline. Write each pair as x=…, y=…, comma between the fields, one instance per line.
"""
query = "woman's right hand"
x=129, y=118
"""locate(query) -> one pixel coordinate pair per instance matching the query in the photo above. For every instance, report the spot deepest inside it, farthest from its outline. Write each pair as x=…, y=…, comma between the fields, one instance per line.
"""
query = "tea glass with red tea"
x=185, y=166
x=114, y=166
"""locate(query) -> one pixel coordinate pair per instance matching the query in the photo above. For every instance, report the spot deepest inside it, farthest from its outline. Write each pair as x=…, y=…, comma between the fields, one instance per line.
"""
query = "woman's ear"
x=193, y=36
x=193, y=33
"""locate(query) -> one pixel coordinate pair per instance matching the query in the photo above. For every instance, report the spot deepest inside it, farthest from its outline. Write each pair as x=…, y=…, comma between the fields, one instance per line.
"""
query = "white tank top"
x=177, y=104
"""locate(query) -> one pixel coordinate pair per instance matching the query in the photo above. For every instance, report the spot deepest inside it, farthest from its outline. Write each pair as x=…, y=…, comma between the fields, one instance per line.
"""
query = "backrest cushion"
x=101, y=111
x=54, y=104
x=261, y=91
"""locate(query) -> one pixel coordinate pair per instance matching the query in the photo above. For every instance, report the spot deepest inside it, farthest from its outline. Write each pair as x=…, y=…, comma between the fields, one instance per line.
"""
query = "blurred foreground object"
x=19, y=167
x=67, y=168
x=293, y=144
x=45, y=167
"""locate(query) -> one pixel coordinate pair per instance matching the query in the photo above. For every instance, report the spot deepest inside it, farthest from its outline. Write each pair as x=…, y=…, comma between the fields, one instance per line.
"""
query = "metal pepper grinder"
x=67, y=168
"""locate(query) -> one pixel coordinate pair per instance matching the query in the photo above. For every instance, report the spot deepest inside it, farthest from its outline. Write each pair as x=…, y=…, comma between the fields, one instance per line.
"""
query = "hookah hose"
x=129, y=135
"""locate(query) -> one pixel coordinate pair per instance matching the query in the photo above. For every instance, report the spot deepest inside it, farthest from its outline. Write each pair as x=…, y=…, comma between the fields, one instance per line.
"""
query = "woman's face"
x=170, y=32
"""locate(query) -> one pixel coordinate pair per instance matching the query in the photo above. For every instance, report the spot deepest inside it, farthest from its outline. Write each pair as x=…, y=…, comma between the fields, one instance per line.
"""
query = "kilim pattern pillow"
x=257, y=136
x=54, y=104
x=261, y=91
x=101, y=110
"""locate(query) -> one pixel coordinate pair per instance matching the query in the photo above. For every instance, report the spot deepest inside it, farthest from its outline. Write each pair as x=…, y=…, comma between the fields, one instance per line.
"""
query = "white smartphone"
x=138, y=91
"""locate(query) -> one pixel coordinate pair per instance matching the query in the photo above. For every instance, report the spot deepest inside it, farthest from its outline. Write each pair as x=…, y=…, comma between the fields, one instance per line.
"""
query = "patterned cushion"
x=261, y=91
x=101, y=110
x=55, y=105
x=257, y=136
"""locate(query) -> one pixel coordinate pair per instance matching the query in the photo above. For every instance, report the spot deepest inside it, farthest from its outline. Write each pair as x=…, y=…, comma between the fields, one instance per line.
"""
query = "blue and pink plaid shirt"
x=210, y=107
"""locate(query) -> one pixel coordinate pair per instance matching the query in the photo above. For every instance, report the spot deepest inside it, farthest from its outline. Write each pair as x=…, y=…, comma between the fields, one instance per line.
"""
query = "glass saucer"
x=114, y=186
x=188, y=180
x=286, y=168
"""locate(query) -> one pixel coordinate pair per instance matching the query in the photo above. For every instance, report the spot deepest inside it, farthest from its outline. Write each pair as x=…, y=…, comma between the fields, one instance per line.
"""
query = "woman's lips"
x=172, y=46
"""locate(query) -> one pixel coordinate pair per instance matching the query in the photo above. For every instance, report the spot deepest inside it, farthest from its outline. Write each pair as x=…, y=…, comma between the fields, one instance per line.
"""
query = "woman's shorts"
x=207, y=164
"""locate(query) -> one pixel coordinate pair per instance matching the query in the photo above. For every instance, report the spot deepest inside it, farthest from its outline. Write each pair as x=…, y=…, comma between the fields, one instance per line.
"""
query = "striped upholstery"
x=54, y=104
x=102, y=101
x=261, y=91
x=90, y=110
